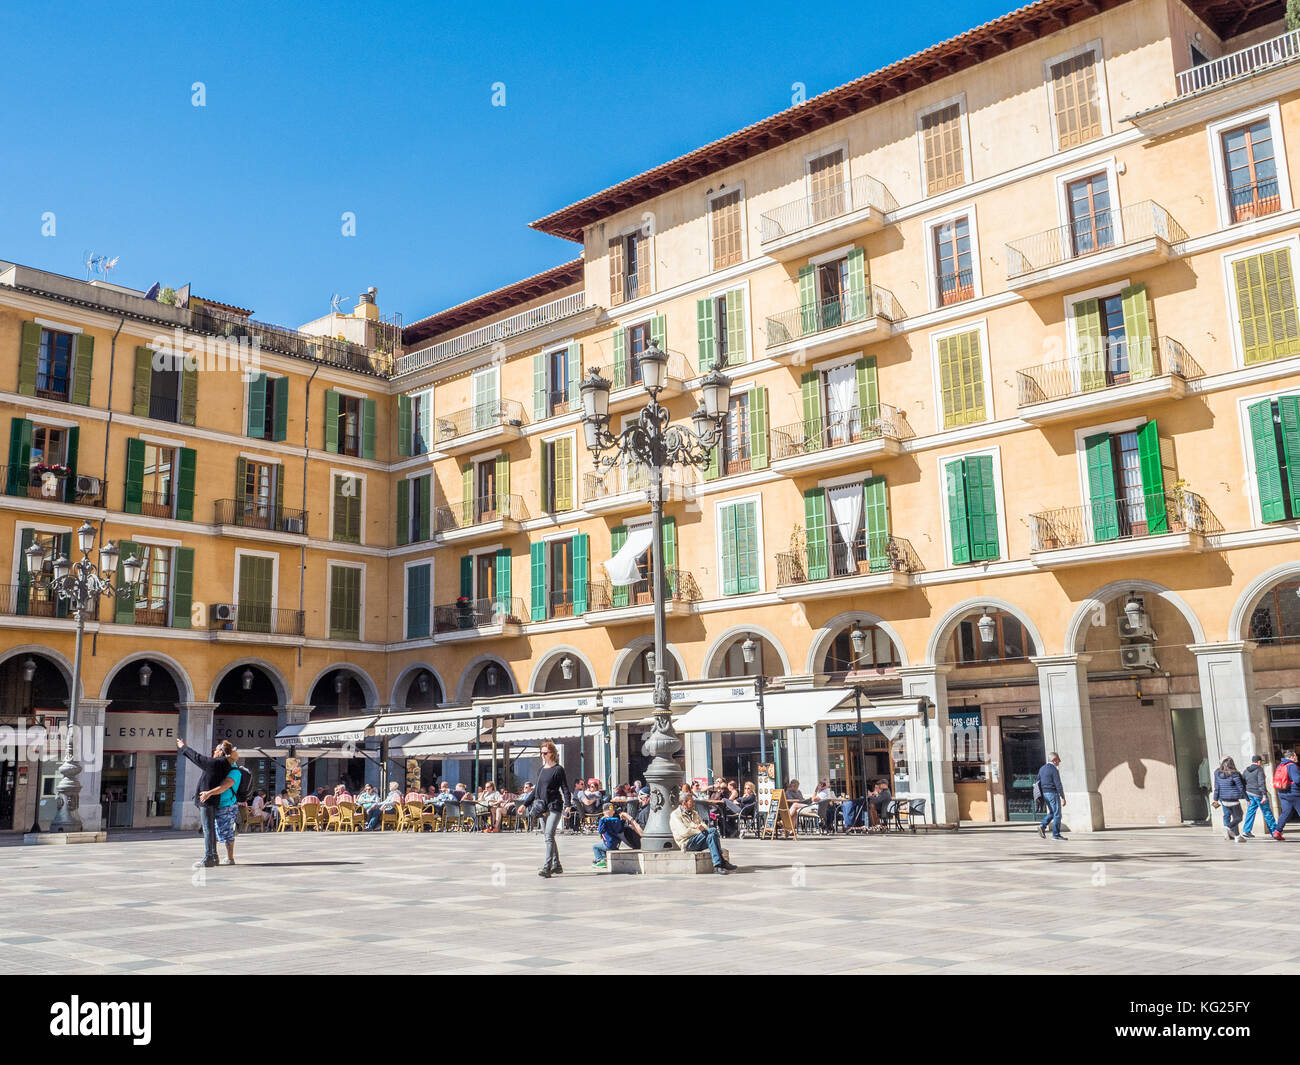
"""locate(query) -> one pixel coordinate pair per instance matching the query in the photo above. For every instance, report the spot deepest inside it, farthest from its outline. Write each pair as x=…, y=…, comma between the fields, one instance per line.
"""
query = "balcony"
x=523, y=322
x=842, y=439
x=471, y=619
x=810, y=224
x=255, y=619
x=607, y=605
x=1056, y=391
x=876, y=564
x=53, y=485
x=293, y=342
x=832, y=323
x=1067, y=536
x=478, y=426
x=479, y=518
x=626, y=489
x=233, y=514
x=632, y=396
x=19, y=601
x=1093, y=249
x=1240, y=64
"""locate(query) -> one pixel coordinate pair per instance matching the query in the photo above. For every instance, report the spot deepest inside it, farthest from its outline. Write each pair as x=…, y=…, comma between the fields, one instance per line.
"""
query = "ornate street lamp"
x=246, y=680
x=1133, y=611
x=655, y=444
x=81, y=584
x=987, y=627
x=566, y=667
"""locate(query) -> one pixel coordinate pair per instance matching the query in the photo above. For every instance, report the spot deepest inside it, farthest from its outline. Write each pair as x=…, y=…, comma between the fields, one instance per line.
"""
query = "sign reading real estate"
x=141, y=732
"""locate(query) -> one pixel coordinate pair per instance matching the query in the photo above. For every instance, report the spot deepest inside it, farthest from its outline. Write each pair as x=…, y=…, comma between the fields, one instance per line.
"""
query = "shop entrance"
x=1023, y=756
x=1192, y=763
x=1284, y=732
x=8, y=782
x=115, y=790
x=846, y=759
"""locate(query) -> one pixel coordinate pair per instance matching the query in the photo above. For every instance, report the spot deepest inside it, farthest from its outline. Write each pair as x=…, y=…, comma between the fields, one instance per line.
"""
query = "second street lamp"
x=654, y=443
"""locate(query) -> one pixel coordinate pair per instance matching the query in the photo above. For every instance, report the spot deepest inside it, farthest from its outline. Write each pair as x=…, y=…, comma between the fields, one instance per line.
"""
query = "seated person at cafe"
x=879, y=801
x=367, y=797
x=444, y=796
x=518, y=806
x=794, y=799
x=690, y=834
x=491, y=798
x=825, y=807
x=615, y=828
x=390, y=803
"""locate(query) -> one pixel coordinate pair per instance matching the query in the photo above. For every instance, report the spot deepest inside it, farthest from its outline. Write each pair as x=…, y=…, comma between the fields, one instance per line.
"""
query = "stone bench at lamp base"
x=64, y=837
x=660, y=863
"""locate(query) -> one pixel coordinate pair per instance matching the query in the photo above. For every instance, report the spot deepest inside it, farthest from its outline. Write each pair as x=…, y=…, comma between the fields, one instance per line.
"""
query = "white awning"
x=539, y=728
x=435, y=722
x=334, y=730
x=793, y=709
x=424, y=745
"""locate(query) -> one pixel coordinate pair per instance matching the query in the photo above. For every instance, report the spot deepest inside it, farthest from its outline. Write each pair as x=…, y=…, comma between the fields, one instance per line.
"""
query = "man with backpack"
x=1286, y=782
x=1257, y=797
x=238, y=782
x=215, y=770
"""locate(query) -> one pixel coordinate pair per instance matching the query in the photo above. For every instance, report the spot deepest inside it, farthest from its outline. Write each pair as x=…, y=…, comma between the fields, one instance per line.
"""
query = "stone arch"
x=60, y=662
x=402, y=682
x=822, y=640
x=368, y=686
x=939, y=635
x=547, y=662
x=179, y=675
x=720, y=645
x=465, y=687
x=636, y=647
x=1246, y=603
x=1076, y=632
x=282, y=690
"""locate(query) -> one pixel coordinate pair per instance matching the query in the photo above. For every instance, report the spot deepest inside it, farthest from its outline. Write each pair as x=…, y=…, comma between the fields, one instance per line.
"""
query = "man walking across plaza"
x=1286, y=782
x=690, y=834
x=215, y=770
x=1257, y=797
x=1049, y=783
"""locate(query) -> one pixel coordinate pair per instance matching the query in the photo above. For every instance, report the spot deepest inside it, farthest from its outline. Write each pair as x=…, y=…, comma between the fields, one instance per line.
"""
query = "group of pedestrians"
x=1250, y=786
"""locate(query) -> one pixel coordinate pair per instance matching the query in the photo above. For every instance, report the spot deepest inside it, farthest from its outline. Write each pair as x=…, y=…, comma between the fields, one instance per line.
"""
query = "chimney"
x=365, y=307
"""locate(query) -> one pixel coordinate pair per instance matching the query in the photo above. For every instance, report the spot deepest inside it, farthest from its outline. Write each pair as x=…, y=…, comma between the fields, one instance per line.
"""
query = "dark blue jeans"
x=208, y=819
x=1053, y=801
x=707, y=840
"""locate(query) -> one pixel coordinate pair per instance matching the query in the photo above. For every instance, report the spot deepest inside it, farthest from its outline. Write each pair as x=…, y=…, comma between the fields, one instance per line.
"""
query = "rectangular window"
x=557, y=381
x=259, y=494
x=54, y=364
x=349, y=425
x=44, y=602
x=738, y=543
x=1266, y=306
x=954, y=276
x=559, y=576
x=485, y=576
x=159, y=481
x=840, y=402
x=256, y=575
x=961, y=379
x=724, y=212
x=421, y=417
x=1126, y=483
x=347, y=508
x=487, y=409
x=832, y=285
x=1250, y=167
x=945, y=166
x=1091, y=225
x=629, y=267
x=1075, y=100
x=165, y=394
x=1115, y=339
x=345, y=603
x=154, y=589
x=419, y=581
x=736, y=448
x=826, y=185
x=972, y=509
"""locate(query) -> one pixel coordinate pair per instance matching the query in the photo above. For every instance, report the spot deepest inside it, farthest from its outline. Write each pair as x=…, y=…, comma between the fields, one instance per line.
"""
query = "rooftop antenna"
x=336, y=302
x=98, y=264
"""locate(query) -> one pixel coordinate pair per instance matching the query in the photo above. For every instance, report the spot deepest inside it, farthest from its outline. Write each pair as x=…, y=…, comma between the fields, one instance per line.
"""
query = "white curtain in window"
x=622, y=568
x=841, y=399
x=846, y=509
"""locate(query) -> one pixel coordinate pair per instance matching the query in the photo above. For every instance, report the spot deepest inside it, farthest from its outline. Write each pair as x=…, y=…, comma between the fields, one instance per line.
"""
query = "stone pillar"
x=1236, y=725
x=929, y=739
x=90, y=740
x=196, y=730
x=1067, y=730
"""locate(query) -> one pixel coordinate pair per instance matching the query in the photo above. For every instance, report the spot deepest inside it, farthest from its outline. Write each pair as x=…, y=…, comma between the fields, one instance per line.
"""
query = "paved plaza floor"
x=1171, y=900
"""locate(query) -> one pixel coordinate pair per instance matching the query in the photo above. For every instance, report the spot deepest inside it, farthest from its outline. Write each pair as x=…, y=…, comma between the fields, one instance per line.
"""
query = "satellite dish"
x=154, y=289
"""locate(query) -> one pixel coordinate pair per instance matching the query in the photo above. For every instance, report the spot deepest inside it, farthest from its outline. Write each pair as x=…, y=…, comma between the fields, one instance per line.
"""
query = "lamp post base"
x=664, y=778
x=55, y=838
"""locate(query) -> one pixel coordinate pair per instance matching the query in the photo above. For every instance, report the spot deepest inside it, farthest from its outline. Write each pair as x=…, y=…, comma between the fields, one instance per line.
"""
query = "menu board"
x=766, y=781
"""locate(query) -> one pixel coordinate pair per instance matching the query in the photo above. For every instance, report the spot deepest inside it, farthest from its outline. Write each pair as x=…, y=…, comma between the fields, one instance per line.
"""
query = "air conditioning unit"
x=293, y=525
x=87, y=485
x=1139, y=656
x=223, y=612
x=1144, y=631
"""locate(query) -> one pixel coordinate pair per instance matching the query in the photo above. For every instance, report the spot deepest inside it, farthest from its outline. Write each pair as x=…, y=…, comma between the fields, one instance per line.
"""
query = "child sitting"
x=612, y=827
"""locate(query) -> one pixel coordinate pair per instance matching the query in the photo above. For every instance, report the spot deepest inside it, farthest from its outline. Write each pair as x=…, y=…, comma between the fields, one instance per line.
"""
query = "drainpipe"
x=108, y=426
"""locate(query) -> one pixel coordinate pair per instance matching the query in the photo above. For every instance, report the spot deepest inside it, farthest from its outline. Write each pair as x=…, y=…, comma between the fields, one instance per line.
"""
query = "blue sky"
x=383, y=110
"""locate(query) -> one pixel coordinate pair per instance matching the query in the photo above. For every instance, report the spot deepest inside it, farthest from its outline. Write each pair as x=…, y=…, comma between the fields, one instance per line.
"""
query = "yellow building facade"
x=1012, y=333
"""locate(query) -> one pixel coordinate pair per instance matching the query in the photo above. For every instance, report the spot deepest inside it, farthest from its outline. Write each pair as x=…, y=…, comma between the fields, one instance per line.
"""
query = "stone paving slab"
x=1141, y=901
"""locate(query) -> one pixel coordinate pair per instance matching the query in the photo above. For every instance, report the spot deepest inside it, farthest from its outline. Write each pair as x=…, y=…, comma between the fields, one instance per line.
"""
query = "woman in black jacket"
x=1229, y=790
x=553, y=795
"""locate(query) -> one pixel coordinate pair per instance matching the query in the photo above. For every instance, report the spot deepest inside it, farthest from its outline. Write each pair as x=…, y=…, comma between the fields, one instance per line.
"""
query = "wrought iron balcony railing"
x=447, y=427
x=22, y=601
x=1255, y=200
x=262, y=620
x=32, y=482
x=1081, y=375
x=681, y=585
x=1091, y=234
x=247, y=515
x=330, y=350
x=807, y=211
x=836, y=430
x=1281, y=49
x=879, y=553
x=1106, y=521
x=832, y=313
x=478, y=511
x=466, y=614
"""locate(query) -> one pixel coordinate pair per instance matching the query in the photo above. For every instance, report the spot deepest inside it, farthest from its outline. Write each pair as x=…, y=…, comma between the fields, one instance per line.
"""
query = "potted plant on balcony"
x=798, y=554
x=1177, y=512
x=464, y=612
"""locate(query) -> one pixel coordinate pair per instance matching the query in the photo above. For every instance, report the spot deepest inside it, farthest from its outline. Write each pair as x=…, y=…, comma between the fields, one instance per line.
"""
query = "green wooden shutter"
x=403, y=425
x=189, y=395
x=1138, y=334
x=331, y=421
x=736, y=352
x=580, y=574
x=278, y=501
x=708, y=351
x=281, y=392
x=574, y=362
x=868, y=391
x=367, y=428
x=1268, y=468
x=758, y=428
x=540, y=405
x=1266, y=306
x=241, y=487
x=619, y=346
x=1279, y=283
x=546, y=486
x=185, y=481
x=981, y=508
x=617, y=538
x=747, y=567
x=345, y=603
x=502, y=482
x=537, y=556
x=668, y=541
x=1102, y=497
x=24, y=591
x=1289, y=411
x=810, y=391
x=466, y=576
x=70, y=483
x=1153, y=481
x=82, y=366
x=133, y=493
x=727, y=536
x=183, y=588
x=124, y=608
x=467, y=511
x=875, y=510
x=504, y=594
x=958, y=527
x=257, y=406
x=143, y=382
x=29, y=354
x=950, y=391
x=403, y=512
x=857, y=261
x=659, y=332
x=961, y=379
x=1086, y=319
x=814, y=510
x=711, y=470
x=424, y=493
x=20, y=457
x=417, y=601
x=808, y=299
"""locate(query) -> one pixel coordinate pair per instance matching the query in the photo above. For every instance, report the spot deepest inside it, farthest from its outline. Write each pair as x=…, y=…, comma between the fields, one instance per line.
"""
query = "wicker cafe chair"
x=313, y=816
x=389, y=819
x=351, y=819
x=412, y=817
x=333, y=817
x=290, y=819
x=429, y=819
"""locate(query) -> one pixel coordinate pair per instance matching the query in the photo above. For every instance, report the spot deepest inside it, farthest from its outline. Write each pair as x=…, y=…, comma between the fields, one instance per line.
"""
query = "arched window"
x=639, y=671
x=879, y=651
x=1010, y=643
